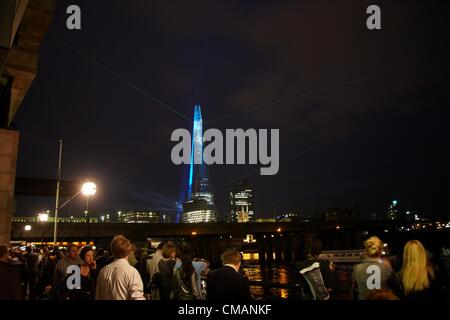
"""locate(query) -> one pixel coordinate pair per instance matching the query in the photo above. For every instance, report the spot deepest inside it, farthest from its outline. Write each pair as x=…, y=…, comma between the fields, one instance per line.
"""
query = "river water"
x=289, y=274
x=282, y=274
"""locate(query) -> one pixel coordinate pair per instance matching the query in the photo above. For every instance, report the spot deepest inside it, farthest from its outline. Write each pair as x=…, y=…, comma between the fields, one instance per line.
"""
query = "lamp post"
x=87, y=189
x=57, y=192
x=43, y=218
x=27, y=229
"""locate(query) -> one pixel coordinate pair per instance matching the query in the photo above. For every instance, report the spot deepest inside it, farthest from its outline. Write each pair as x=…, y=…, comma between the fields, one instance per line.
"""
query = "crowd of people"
x=123, y=273
x=172, y=273
x=413, y=277
x=417, y=279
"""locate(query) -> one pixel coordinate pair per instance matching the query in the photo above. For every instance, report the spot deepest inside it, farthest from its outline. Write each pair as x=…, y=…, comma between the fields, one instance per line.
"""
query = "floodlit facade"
x=242, y=203
x=139, y=217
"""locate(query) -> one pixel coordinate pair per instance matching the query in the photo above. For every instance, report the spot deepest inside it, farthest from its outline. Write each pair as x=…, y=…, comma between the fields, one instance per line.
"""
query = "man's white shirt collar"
x=233, y=266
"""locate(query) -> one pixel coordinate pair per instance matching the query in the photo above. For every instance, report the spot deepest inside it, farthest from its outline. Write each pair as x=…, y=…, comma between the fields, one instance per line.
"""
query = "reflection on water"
x=250, y=256
x=282, y=274
x=289, y=274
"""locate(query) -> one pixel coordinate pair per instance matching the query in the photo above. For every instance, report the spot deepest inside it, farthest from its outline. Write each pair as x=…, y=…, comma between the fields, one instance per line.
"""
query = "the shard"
x=199, y=205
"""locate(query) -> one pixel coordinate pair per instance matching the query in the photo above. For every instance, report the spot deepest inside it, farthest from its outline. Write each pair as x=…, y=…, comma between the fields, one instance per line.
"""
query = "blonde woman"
x=364, y=273
x=416, y=278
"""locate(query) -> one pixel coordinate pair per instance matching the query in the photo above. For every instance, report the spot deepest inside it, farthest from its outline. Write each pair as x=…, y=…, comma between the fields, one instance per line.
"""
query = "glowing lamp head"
x=43, y=217
x=89, y=189
x=27, y=227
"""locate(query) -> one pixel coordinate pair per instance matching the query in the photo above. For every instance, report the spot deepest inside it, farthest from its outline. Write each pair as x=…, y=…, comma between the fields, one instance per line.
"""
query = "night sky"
x=363, y=115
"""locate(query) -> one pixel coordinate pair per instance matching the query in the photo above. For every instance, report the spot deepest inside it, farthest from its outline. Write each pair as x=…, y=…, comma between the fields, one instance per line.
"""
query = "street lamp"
x=87, y=189
x=27, y=228
x=43, y=218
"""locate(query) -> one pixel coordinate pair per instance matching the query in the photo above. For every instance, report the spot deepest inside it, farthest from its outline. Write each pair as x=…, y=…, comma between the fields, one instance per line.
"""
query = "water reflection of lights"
x=253, y=256
x=277, y=274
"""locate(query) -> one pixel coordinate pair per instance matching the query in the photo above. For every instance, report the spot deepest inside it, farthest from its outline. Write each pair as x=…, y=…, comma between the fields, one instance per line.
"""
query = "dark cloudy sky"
x=363, y=115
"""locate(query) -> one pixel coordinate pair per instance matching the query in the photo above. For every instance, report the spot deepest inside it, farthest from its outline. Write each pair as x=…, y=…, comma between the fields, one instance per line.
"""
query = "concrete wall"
x=9, y=143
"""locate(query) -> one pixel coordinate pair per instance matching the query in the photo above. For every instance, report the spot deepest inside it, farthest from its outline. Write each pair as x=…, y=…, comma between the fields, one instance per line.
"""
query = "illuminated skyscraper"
x=143, y=216
x=242, y=203
x=393, y=212
x=199, y=206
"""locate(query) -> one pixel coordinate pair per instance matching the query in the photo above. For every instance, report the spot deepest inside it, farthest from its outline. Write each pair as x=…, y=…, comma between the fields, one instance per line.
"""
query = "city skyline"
x=357, y=124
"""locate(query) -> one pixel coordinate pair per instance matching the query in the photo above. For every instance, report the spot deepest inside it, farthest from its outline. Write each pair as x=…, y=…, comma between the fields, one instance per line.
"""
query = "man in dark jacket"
x=103, y=259
x=71, y=259
x=10, y=288
x=32, y=272
x=226, y=283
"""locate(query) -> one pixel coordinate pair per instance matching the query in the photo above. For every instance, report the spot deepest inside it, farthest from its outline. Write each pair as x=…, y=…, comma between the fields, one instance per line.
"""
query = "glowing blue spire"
x=199, y=206
x=196, y=146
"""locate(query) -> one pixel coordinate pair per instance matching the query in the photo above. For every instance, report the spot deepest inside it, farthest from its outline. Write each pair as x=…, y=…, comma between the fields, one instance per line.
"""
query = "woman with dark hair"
x=88, y=273
x=185, y=280
x=201, y=268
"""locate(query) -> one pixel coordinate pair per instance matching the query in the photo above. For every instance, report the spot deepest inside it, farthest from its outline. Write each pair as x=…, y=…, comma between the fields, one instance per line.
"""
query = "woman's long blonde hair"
x=416, y=271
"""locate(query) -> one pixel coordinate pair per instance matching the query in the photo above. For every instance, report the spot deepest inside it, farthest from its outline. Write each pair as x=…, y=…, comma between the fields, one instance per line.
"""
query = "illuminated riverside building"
x=284, y=217
x=122, y=217
x=196, y=211
x=199, y=206
x=242, y=203
x=70, y=219
x=139, y=217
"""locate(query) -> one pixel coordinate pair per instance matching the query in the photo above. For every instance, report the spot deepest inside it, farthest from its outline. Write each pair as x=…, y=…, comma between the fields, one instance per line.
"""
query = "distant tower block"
x=241, y=203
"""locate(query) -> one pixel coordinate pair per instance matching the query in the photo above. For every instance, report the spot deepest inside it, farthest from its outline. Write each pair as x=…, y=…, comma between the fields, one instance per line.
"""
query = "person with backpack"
x=165, y=266
x=153, y=271
x=323, y=283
